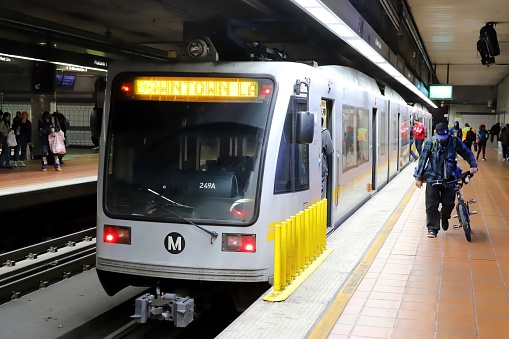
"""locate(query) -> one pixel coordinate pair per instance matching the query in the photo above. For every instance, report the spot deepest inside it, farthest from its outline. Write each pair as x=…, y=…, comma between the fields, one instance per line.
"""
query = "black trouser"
x=436, y=195
x=481, y=147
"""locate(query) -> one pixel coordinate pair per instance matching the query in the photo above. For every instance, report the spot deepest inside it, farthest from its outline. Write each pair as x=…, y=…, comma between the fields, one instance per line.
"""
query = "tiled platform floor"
x=79, y=162
x=443, y=288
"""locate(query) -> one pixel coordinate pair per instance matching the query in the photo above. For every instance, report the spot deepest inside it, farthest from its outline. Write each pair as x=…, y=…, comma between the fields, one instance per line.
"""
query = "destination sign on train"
x=168, y=88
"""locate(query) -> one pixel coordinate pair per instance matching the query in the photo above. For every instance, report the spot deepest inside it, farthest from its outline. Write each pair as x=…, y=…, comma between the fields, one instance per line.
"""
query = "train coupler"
x=166, y=307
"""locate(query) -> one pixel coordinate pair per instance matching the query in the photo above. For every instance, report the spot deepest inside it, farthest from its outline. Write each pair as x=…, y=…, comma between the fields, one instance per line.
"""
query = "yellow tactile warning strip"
x=443, y=288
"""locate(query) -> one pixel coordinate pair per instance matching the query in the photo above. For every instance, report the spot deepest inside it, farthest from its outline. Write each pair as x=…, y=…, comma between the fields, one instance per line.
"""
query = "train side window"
x=355, y=137
x=292, y=168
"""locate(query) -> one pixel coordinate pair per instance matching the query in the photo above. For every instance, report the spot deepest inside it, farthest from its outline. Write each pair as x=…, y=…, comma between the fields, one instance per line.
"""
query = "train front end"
x=180, y=178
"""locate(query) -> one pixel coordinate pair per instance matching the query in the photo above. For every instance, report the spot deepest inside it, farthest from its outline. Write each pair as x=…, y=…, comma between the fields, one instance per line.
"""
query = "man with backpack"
x=438, y=166
x=495, y=130
x=468, y=136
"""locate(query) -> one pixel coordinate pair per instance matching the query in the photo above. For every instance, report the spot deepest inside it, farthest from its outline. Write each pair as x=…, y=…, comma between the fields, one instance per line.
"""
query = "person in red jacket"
x=419, y=133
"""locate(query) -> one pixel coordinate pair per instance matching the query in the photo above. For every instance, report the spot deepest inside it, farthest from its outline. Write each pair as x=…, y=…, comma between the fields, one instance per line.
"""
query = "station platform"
x=26, y=186
x=386, y=279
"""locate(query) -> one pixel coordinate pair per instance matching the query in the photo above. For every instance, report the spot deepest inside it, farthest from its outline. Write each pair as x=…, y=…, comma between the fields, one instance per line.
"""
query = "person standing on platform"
x=17, y=117
x=504, y=140
x=419, y=133
x=23, y=130
x=48, y=125
x=456, y=130
x=5, y=128
x=437, y=163
x=495, y=130
x=414, y=156
x=327, y=150
x=468, y=136
x=64, y=123
x=482, y=139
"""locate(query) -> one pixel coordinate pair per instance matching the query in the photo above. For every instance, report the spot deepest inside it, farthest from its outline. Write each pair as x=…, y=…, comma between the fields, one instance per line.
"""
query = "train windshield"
x=192, y=158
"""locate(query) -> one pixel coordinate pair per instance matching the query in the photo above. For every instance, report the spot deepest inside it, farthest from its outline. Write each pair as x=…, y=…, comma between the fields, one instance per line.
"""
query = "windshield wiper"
x=174, y=203
x=213, y=234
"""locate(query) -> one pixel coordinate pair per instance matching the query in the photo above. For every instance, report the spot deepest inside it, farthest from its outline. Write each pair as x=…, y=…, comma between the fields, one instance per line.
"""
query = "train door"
x=326, y=106
x=375, y=145
x=400, y=143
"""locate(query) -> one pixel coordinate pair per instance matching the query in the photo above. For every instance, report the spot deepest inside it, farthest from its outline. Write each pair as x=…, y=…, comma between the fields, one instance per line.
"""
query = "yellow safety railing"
x=299, y=248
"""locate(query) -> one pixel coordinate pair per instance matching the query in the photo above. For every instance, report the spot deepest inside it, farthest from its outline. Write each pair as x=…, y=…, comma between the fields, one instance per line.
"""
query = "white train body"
x=168, y=181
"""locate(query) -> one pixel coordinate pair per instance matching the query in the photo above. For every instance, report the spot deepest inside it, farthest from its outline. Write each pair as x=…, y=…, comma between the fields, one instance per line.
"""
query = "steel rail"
x=34, y=278
x=31, y=252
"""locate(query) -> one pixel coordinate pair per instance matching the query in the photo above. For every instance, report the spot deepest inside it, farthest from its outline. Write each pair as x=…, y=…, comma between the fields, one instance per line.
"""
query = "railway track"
x=34, y=267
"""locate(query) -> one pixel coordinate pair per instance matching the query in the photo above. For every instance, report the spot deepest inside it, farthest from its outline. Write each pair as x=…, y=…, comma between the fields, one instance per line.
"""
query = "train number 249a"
x=208, y=185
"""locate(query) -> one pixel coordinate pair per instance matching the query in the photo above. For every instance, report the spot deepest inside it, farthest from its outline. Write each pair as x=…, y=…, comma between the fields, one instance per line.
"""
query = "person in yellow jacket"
x=466, y=137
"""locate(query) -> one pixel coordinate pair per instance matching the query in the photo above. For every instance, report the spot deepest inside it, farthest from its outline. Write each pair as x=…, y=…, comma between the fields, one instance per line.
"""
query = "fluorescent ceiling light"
x=52, y=62
x=78, y=66
x=309, y=3
x=324, y=15
x=21, y=57
x=341, y=30
x=389, y=69
x=335, y=24
x=366, y=50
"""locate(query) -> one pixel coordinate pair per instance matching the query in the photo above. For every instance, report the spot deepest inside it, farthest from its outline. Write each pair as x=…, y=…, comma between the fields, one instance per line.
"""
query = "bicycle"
x=462, y=206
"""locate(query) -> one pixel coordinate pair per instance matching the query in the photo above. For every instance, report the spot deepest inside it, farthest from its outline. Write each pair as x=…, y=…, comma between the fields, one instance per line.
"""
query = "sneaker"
x=15, y=164
x=57, y=167
x=484, y=159
x=445, y=224
x=45, y=167
x=431, y=234
x=22, y=164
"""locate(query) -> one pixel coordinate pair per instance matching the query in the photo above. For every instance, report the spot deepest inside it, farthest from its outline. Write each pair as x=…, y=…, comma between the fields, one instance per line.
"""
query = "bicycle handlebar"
x=464, y=179
x=466, y=176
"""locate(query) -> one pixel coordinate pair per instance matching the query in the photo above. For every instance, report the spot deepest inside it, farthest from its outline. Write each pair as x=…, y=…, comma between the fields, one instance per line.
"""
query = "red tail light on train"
x=117, y=234
x=239, y=243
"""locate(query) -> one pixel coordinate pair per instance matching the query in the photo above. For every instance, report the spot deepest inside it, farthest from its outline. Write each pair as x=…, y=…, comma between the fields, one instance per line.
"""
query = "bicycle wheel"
x=464, y=219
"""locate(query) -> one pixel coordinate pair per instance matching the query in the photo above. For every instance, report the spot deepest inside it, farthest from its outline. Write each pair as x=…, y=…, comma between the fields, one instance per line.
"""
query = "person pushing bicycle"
x=438, y=164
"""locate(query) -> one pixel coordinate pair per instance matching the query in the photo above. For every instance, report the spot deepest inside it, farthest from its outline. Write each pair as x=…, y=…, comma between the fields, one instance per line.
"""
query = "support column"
x=43, y=92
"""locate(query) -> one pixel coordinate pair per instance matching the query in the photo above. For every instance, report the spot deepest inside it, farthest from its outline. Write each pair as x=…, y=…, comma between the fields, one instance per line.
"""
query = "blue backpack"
x=482, y=135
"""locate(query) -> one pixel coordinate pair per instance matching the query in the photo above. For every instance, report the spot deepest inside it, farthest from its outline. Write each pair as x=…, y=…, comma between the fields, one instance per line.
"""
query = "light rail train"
x=199, y=161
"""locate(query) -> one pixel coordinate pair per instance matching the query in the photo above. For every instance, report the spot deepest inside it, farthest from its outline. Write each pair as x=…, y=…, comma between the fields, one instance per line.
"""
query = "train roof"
x=393, y=95
x=354, y=77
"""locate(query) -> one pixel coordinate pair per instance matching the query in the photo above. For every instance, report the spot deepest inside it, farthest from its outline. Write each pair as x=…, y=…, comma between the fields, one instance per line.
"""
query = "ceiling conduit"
x=391, y=11
x=409, y=24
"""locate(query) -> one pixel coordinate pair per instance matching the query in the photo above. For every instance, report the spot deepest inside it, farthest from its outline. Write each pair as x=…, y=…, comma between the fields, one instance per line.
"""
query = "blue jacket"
x=434, y=159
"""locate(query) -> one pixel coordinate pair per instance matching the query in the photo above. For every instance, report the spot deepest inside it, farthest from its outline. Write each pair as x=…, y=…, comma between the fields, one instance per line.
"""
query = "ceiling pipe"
x=409, y=23
x=392, y=12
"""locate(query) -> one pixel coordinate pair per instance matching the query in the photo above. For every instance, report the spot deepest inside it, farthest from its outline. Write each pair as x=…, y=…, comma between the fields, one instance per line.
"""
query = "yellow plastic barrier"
x=299, y=248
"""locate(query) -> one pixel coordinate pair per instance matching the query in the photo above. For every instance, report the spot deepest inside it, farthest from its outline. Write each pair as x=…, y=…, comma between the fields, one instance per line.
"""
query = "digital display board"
x=195, y=88
x=65, y=81
x=443, y=92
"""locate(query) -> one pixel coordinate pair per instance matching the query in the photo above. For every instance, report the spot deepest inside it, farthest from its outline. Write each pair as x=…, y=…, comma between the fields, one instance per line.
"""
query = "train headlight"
x=197, y=48
x=117, y=234
x=239, y=243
